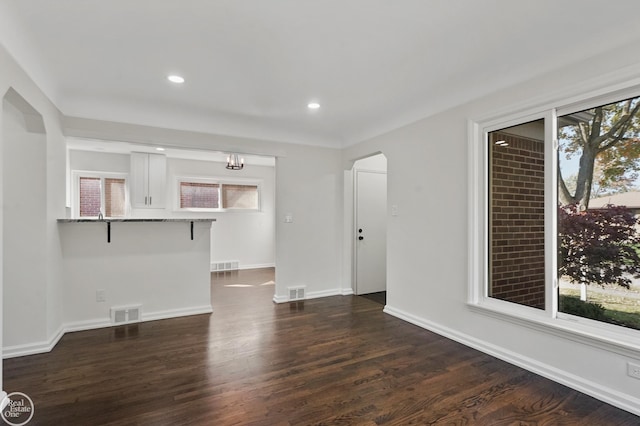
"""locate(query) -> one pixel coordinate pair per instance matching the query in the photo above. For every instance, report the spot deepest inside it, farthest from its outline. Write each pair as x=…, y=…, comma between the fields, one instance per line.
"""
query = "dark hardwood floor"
x=378, y=297
x=333, y=361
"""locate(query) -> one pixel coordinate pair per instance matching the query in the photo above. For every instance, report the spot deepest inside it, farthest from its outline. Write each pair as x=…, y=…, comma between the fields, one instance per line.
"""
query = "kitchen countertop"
x=133, y=219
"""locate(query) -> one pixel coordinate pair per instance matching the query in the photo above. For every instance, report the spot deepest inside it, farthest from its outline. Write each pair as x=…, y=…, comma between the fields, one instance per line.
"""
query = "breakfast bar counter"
x=160, y=265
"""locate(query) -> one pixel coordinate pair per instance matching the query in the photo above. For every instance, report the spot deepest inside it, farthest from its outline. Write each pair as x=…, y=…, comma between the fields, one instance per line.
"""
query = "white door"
x=371, y=231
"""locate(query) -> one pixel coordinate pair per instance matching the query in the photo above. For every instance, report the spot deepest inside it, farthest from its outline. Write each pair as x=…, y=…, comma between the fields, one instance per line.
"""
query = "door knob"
x=360, y=230
x=361, y=238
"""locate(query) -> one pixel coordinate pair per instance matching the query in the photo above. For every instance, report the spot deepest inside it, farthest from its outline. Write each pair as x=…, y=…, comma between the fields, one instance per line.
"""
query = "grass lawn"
x=618, y=309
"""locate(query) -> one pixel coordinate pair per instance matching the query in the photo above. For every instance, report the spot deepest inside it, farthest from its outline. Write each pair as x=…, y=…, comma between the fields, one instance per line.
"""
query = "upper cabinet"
x=148, y=180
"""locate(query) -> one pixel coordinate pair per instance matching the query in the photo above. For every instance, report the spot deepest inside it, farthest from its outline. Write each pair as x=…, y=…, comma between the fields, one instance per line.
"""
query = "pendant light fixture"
x=234, y=162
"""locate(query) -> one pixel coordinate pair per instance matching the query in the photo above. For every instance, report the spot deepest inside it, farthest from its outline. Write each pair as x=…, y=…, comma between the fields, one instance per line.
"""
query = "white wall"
x=99, y=161
x=376, y=162
x=248, y=237
x=24, y=230
x=308, y=251
x=428, y=241
x=45, y=323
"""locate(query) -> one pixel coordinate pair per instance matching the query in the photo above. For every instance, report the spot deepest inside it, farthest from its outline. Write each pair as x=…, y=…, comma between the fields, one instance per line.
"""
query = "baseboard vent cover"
x=228, y=265
x=297, y=293
x=126, y=314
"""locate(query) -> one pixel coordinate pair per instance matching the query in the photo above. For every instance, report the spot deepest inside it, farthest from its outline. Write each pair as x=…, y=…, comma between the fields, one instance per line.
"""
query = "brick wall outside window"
x=516, y=226
x=89, y=196
x=240, y=196
x=199, y=195
x=114, y=197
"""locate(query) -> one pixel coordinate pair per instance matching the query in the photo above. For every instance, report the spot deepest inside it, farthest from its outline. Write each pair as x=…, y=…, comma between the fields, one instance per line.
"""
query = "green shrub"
x=575, y=306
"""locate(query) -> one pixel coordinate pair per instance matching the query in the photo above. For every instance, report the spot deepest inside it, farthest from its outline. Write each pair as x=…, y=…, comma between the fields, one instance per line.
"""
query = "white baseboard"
x=33, y=348
x=347, y=291
x=324, y=293
x=280, y=299
x=254, y=266
x=258, y=266
x=88, y=325
x=596, y=390
x=315, y=295
x=47, y=346
x=176, y=313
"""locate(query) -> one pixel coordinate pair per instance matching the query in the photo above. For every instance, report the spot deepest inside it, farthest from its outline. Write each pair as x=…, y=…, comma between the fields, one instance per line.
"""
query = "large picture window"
x=556, y=216
x=599, y=206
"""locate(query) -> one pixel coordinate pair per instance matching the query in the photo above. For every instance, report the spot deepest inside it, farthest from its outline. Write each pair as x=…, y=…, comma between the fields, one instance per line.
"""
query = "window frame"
x=76, y=175
x=178, y=180
x=595, y=333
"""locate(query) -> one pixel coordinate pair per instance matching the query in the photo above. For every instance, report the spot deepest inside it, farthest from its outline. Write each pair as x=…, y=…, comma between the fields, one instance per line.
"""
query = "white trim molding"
x=48, y=345
x=347, y=291
x=176, y=313
x=315, y=295
x=33, y=348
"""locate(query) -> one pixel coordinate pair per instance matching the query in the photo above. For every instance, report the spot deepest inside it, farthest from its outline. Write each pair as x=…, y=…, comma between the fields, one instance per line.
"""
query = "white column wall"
x=45, y=325
x=24, y=231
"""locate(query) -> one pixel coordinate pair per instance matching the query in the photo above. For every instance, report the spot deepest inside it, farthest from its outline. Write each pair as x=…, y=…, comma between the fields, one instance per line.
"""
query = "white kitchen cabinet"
x=148, y=180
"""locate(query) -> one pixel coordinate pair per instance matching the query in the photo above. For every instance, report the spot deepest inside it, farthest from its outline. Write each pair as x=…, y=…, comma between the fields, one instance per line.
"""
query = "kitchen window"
x=100, y=193
x=207, y=194
x=199, y=195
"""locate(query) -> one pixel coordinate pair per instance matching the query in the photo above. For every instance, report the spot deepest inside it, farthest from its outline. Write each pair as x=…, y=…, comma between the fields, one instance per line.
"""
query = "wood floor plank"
x=331, y=361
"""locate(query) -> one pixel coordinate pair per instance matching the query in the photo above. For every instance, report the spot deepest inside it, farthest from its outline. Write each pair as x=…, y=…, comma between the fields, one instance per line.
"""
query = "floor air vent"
x=296, y=293
x=125, y=314
x=230, y=265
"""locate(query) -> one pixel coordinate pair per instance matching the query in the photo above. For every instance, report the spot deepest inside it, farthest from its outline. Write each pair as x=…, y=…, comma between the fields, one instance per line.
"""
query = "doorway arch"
x=366, y=216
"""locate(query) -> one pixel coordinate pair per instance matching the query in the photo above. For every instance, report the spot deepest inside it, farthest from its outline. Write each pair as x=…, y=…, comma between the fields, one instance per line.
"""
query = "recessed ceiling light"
x=175, y=79
x=313, y=105
x=159, y=149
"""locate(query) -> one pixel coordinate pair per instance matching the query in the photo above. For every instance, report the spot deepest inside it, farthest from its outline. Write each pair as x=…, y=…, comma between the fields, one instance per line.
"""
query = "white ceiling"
x=251, y=66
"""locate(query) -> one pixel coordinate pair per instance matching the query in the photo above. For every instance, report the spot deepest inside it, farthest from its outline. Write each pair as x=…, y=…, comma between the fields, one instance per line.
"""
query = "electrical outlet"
x=633, y=370
x=101, y=296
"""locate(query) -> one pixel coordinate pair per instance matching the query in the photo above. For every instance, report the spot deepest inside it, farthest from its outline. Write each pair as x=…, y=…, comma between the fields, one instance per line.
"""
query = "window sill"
x=622, y=343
